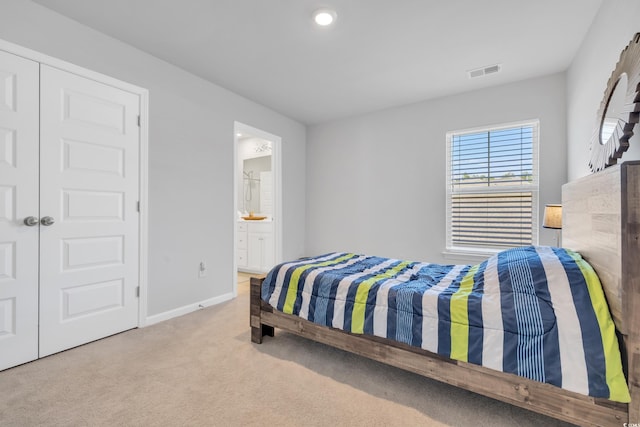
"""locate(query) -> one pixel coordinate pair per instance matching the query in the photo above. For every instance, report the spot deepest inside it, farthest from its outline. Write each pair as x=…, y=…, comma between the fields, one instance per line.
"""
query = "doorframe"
x=143, y=166
x=276, y=167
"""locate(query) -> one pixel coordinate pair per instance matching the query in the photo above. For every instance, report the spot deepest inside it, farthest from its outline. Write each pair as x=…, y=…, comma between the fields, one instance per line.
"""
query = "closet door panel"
x=89, y=166
x=18, y=200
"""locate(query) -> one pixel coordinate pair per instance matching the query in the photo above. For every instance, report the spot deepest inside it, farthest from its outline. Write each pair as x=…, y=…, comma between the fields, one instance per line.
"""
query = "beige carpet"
x=202, y=370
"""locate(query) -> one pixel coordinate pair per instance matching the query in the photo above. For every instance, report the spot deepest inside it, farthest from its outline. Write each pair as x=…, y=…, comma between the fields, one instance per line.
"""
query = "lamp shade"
x=552, y=216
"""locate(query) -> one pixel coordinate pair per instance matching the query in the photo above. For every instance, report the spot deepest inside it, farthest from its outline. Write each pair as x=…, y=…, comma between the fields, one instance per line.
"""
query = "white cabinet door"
x=268, y=256
x=254, y=253
x=89, y=150
x=260, y=255
x=241, y=245
x=18, y=200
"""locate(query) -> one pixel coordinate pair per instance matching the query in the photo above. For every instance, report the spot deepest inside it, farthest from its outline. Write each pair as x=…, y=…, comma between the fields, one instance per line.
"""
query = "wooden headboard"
x=601, y=220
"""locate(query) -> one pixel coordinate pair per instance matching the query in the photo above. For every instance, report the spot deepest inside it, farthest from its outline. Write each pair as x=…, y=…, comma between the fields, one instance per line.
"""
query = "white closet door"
x=89, y=150
x=18, y=200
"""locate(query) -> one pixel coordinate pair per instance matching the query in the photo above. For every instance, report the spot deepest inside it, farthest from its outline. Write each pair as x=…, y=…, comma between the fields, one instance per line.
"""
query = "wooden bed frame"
x=601, y=221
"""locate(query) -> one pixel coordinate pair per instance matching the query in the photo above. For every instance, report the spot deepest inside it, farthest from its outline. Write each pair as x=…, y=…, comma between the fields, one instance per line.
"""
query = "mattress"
x=537, y=312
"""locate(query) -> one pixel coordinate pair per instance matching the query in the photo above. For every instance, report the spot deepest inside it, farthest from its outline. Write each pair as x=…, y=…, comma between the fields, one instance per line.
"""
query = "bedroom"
x=195, y=112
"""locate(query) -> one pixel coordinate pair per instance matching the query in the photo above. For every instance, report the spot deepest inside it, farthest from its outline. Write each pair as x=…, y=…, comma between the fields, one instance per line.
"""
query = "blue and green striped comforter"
x=536, y=311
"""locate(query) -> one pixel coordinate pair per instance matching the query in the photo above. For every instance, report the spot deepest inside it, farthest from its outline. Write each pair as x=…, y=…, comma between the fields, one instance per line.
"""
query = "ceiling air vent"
x=479, y=72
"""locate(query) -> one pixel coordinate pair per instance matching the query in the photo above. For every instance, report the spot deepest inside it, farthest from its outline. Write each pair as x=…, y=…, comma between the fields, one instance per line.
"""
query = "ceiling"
x=378, y=53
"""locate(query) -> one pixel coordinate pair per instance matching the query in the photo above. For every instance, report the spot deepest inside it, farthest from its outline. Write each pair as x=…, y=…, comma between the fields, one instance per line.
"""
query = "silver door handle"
x=30, y=221
x=47, y=220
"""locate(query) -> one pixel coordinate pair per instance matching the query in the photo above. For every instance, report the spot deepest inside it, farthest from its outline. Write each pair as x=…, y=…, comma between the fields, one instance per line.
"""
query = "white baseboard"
x=190, y=308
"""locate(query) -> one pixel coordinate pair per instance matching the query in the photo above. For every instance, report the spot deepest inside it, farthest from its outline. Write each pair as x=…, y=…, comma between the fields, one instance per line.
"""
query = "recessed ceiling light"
x=238, y=134
x=324, y=17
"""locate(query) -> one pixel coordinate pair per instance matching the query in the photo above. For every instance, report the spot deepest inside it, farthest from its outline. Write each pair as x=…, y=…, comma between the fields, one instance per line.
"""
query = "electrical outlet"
x=202, y=269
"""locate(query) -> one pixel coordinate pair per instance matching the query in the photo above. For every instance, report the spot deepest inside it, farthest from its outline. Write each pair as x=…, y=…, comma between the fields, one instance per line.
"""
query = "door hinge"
x=138, y=291
x=138, y=121
x=138, y=206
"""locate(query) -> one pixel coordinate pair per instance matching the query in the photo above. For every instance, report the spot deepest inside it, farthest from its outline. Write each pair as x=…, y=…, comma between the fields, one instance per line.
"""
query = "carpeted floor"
x=202, y=370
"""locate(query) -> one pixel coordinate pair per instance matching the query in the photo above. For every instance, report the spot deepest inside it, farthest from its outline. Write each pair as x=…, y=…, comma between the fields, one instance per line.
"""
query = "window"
x=492, y=187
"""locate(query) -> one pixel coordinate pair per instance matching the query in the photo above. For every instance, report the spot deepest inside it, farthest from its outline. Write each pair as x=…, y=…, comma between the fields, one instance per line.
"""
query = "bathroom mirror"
x=257, y=185
x=619, y=110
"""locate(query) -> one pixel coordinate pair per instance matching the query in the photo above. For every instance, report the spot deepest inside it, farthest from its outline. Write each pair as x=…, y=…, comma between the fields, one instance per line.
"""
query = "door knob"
x=30, y=221
x=47, y=220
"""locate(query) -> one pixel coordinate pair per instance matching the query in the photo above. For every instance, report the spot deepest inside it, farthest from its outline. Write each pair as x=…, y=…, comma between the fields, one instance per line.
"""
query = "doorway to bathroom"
x=257, y=201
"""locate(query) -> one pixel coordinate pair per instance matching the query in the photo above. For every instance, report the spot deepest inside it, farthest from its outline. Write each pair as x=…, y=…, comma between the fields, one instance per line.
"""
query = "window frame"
x=481, y=252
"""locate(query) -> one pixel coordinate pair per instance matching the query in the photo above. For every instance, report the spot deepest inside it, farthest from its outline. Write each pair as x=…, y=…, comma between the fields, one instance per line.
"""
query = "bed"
x=601, y=223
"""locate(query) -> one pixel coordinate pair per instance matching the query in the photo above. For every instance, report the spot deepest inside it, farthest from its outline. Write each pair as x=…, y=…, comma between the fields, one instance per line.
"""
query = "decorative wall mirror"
x=619, y=109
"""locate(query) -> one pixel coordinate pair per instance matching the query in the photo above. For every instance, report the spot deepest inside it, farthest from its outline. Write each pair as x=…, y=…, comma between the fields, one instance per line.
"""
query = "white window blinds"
x=492, y=187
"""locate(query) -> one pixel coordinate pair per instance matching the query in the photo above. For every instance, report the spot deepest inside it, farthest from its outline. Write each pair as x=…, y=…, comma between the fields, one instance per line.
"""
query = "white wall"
x=190, y=154
x=612, y=29
x=376, y=183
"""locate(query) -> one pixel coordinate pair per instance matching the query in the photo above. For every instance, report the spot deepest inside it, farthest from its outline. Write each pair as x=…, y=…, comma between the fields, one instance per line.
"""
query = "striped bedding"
x=536, y=311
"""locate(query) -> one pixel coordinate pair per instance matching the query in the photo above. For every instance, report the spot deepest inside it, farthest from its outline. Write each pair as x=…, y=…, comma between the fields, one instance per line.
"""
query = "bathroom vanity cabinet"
x=255, y=246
